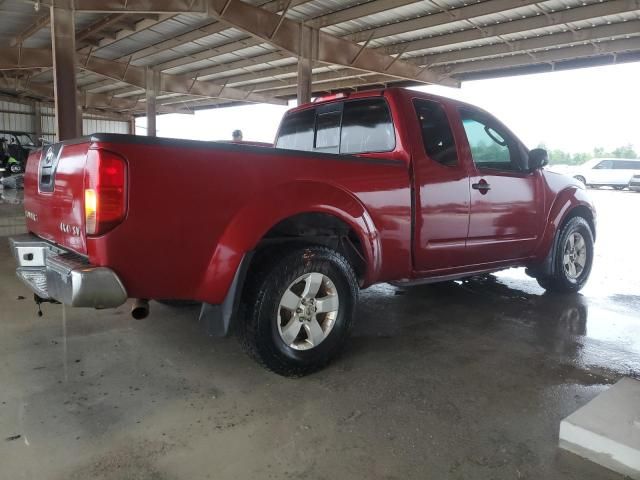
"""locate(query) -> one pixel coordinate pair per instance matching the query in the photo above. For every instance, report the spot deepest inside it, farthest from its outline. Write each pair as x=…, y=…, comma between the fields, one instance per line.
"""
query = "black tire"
x=619, y=187
x=271, y=277
x=561, y=281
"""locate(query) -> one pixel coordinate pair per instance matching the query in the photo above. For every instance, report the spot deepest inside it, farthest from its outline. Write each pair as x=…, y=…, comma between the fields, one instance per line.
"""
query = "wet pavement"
x=462, y=380
x=12, y=220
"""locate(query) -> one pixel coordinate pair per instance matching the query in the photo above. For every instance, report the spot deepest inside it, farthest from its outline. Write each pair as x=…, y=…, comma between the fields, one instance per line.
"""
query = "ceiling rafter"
x=611, y=47
x=441, y=18
x=534, y=43
x=261, y=23
x=135, y=76
x=587, y=12
x=85, y=99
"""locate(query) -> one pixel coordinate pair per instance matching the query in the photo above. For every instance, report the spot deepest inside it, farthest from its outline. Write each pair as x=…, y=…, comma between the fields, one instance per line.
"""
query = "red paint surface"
x=186, y=229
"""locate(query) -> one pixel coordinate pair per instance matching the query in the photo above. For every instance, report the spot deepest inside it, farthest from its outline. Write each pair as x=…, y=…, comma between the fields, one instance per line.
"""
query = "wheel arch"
x=570, y=203
x=310, y=204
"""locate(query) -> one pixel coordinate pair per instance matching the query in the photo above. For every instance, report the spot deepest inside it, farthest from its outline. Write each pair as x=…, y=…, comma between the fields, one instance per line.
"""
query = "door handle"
x=482, y=186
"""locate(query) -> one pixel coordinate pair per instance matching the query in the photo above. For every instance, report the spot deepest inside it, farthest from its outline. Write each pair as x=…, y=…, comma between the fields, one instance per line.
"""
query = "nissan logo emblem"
x=48, y=159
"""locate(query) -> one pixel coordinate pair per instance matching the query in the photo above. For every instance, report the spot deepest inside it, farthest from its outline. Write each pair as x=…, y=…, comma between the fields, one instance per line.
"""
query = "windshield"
x=25, y=139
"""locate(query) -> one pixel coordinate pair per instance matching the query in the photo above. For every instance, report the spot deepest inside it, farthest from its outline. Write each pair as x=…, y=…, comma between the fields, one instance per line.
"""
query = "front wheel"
x=573, y=258
x=298, y=310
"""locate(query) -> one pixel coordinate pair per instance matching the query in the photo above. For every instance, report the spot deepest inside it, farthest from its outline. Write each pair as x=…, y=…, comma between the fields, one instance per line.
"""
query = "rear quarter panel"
x=195, y=208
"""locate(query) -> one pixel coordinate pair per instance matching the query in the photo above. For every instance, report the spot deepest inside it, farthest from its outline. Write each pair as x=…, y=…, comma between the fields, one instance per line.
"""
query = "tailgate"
x=54, y=194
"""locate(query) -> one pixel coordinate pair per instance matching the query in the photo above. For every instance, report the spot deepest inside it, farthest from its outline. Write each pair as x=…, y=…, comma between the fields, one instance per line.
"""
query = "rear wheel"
x=298, y=310
x=573, y=258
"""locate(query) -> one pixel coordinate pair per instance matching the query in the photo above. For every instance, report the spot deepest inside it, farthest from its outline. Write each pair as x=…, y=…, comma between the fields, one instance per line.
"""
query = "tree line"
x=557, y=157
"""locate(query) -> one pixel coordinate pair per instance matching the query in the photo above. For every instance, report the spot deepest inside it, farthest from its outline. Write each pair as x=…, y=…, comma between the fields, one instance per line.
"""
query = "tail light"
x=105, y=191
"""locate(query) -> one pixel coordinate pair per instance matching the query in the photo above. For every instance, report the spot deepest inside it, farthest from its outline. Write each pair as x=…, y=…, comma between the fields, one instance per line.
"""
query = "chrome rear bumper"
x=53, y=273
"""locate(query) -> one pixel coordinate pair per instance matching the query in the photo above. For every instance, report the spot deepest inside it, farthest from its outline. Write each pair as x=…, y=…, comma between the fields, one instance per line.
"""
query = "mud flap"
x=217, y=319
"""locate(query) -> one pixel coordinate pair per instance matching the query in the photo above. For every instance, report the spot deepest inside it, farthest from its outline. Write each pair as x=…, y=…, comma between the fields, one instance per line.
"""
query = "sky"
x=571, y=110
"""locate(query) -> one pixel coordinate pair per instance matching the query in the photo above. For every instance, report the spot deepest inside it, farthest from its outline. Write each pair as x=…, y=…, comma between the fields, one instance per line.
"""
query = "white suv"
x=608, y=172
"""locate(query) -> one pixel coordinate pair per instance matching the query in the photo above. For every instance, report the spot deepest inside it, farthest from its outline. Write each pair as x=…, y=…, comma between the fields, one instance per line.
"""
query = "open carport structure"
x=119, y=59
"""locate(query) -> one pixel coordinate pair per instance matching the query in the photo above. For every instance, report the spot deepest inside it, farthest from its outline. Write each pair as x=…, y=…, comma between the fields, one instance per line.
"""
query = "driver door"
x=506, y=199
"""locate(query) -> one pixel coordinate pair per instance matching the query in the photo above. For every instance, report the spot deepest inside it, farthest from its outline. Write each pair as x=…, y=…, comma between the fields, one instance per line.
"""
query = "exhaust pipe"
x=140, y=309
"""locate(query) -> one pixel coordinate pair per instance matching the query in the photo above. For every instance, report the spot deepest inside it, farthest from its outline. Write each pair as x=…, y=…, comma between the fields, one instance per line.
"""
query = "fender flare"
x=566, y=202
x=251, y=223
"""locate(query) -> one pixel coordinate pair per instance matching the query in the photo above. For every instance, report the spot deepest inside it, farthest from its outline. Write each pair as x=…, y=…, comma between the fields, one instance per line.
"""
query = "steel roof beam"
x=98, y=26
x=326, y=48
x=425, y=21
x=560, y=17
x=128, y=31
x=612, y=47
x=317, y=78
x=356, y=11
x=14, y=58
x=467, y=12
x=332, y=85
x=350, y=13
x=31, y=30
x=534, y=43
x=86, y=99
x=135, y=76
x=169, y=83
x=205, y=31
x=262, y=24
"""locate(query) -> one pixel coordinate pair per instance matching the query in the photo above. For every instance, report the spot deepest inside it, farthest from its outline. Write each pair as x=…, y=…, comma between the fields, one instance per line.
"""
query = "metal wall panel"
x=16, y=116
x=19, y=117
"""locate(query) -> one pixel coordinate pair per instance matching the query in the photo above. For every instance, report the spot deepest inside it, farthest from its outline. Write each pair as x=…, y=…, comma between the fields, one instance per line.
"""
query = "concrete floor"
x=464, y=380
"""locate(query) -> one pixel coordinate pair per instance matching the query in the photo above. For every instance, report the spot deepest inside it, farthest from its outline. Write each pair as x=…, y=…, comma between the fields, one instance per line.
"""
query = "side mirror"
x=538, y=158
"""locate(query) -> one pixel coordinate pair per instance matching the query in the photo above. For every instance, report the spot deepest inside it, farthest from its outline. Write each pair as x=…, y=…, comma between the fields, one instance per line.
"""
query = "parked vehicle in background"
x=387, y=185
x=15, y=148
x=20, y=144
x=634, y=183
x=608, y=172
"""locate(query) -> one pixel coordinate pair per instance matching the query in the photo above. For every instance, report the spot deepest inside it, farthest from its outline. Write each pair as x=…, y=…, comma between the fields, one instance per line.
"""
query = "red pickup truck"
x=386, y=185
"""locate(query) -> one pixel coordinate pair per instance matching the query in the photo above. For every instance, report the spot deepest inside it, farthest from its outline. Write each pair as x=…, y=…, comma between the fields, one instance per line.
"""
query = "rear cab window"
x=348, y=127
x=296, y=131
x=437, y=136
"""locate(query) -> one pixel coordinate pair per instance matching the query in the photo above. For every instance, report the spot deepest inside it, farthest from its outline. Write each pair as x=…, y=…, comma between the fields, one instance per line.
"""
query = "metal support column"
x=305, y=61
x=37, y=122
x=64, y=70
x=152, y=81
x=132, y=125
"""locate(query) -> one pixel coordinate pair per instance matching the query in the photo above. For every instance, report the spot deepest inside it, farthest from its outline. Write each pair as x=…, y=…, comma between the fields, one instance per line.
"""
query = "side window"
x=437, y=136
x=328, y=128
x=627, y=165
x=367, y=127
x=296, y=131
x=604, y=165
x=490, y=148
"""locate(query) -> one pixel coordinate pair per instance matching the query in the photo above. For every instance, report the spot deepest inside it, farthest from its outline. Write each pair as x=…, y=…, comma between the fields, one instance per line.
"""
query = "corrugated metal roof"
x=439, y=33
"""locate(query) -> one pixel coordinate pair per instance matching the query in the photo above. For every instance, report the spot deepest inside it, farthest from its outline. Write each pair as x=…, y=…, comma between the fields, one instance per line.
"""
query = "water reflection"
x=572, y=329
